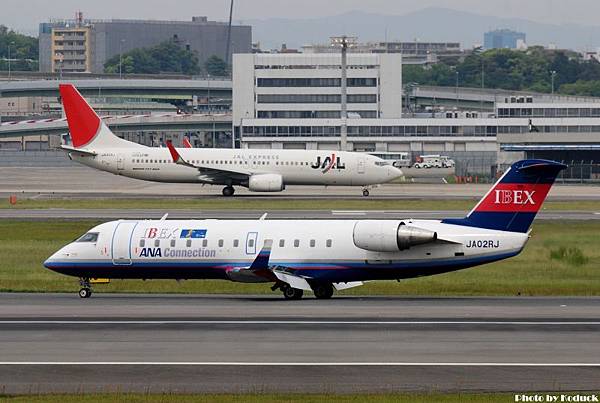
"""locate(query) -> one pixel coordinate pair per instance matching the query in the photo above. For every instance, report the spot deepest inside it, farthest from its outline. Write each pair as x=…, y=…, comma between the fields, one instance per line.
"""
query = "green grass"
x=25, y=245
x=218, y=203
x=271, y=398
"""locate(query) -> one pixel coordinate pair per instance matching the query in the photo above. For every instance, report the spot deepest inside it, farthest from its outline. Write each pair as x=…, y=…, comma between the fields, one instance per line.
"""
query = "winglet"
x=262, y=259
x=83, y=122
x=186, y=142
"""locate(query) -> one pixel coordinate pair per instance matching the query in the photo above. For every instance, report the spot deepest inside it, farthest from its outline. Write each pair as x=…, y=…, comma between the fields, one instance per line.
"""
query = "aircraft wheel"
x=228, y=191
x=366, y=192
x=85, y=292
x=323, y=291
x=292, y=293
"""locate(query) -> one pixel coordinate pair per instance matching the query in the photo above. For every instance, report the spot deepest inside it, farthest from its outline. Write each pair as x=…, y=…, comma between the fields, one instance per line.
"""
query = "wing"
x=208, y=174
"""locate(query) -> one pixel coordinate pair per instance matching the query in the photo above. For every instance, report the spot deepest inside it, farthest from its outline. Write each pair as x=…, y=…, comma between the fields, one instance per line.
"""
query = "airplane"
x=94, y=145
x=313, y=255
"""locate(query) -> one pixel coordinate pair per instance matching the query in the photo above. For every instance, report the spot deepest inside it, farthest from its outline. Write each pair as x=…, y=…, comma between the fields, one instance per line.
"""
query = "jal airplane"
x=94, y=145
x=309, y=255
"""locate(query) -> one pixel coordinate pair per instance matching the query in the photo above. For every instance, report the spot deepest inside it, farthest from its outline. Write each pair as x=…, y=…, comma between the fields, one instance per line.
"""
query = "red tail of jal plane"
x=85, y=126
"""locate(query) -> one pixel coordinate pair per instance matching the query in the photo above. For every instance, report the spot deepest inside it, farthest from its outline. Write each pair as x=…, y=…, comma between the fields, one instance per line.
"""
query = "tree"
x=23, y=50
x=215, y=66
x=166, y=57
x=514, y=70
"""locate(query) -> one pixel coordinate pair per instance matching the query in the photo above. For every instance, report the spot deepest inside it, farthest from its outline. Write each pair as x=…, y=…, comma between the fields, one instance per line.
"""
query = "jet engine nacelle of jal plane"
x=268, y=170
x=299, y=255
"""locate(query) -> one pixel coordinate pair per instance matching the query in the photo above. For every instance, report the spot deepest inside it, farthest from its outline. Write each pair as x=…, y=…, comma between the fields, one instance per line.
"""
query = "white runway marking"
x=292, y=322
x=307, y=364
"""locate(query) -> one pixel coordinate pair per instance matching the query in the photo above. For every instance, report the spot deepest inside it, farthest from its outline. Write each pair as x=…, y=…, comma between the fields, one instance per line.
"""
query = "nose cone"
x=394, y=173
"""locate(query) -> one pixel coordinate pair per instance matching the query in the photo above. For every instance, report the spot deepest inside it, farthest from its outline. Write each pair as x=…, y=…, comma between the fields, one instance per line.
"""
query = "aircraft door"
x=361, y=165
x=121, y=243
x=120, y=162
x=251, y=240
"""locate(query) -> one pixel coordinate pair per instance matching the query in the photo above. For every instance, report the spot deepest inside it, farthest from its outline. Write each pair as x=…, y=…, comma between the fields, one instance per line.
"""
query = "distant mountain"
x=430, y=24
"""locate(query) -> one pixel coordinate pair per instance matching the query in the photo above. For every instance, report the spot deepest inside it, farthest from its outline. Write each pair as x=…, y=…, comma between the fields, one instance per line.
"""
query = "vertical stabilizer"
x=513, y=202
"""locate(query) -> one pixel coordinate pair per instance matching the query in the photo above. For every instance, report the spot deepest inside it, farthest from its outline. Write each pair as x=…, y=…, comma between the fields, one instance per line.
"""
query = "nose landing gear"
x=366, y=192
x=86, y=288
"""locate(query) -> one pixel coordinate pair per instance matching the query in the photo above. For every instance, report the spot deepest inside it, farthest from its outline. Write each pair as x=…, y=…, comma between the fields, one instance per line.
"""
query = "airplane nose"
x=394, y=173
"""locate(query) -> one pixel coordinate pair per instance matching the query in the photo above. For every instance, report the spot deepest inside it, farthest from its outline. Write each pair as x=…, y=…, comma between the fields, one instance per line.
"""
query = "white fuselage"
x=325, y=250
x=296, y=167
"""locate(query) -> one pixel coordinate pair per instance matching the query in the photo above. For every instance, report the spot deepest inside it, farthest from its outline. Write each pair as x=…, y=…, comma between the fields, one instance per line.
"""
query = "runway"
x=74, y=182
x=115, y=214
x=59, y=343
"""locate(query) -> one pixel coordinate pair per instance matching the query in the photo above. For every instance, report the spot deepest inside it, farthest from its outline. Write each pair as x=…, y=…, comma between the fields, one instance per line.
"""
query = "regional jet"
x=310, y=255
x=94, y=145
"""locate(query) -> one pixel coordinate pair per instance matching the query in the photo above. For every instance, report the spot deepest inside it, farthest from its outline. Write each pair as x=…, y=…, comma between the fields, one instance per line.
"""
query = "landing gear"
x=86, y=288
x=228, y=191
x=323, y=291
x=366, y=192
x=292, y=293
x=85, y=293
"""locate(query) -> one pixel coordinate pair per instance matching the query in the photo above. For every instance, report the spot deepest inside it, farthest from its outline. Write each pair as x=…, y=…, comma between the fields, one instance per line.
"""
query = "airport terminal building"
x=293, y=102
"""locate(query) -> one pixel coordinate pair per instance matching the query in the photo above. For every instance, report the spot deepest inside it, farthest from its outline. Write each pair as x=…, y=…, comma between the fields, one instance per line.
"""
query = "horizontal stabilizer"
x=78, y=150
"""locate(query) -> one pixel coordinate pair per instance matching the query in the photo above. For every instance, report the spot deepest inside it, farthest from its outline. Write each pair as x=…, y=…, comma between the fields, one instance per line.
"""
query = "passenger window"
x=328, y=243
x=142, y=243
x=188, y=243
x=296, y=243
x=236, y=243
x=282, y=243
x=204, y=243
x=157, y=243
x=220, y=243
x=312, y=243
x=172, y=243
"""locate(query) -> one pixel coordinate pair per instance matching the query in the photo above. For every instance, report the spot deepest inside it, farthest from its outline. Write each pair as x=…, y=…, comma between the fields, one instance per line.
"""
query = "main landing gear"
x=228, y=191
x=321, y=291
x=86, y=288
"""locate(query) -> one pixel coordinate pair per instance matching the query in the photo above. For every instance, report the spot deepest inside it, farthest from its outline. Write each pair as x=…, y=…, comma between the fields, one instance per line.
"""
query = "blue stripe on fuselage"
x=339, y=271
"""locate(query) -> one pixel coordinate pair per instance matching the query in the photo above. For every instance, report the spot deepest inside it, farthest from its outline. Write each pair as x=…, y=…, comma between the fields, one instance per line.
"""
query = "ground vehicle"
x=434, y=161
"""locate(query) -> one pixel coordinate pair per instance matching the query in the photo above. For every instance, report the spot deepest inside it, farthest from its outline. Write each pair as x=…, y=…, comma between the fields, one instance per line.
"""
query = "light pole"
x=121, y=58
x=344, y=42
x=208, y=96
x=482, y=84
x=9, y=71
x=553, y=74
x=456, y=105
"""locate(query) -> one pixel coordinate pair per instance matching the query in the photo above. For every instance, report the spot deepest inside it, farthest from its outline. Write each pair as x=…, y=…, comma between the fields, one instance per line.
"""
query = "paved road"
x=57, y=342
x=113, y=214
x=75, y=182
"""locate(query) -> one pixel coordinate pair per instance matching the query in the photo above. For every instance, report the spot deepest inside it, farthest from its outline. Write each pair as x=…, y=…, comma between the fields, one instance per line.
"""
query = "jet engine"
x=266, y=183
x=389, y=236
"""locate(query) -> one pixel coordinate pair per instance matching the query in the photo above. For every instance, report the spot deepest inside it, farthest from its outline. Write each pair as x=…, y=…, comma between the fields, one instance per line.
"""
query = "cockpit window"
x=89, y=237
x=382, y=163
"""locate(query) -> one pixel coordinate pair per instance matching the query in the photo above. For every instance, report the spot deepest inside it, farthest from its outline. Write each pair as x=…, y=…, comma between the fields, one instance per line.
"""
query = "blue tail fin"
x=513, y=202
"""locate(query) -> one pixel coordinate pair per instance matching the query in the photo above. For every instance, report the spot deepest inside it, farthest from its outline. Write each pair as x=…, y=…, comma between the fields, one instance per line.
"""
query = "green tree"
x=166, y=57
x=215, y=66
x=23, y=50
x=514, y=70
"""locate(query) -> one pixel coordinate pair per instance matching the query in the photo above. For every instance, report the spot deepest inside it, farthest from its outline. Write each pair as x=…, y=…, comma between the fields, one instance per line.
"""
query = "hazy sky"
x=24, y=15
